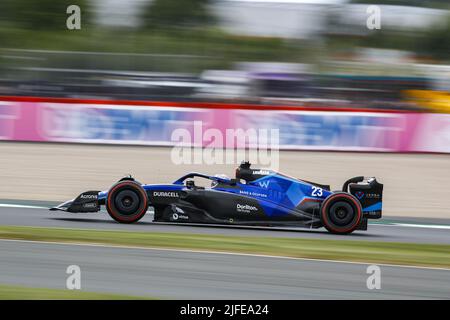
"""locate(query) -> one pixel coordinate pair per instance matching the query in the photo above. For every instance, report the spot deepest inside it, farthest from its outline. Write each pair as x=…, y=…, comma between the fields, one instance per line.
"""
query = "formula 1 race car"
x=254, y=197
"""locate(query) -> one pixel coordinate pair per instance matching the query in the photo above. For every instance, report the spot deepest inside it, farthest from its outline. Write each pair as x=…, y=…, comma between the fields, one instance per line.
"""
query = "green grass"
x=24, y=293
x=436, y=255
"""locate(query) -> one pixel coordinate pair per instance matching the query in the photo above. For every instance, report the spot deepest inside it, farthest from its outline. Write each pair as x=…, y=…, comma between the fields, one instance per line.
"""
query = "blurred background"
x=313, y=53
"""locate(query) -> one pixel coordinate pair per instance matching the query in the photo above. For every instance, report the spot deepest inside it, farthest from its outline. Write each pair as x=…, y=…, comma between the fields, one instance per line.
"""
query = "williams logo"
x=359, y=194
x=167, y=194
x=264, y=184
x=246, y=208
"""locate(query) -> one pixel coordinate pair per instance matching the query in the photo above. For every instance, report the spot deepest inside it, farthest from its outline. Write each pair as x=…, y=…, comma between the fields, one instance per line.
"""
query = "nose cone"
x=85, y=202
x=63, y=206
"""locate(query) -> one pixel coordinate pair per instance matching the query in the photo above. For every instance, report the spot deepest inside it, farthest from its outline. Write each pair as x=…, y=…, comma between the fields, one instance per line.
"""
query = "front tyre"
x=341, y=213
x=127, y=202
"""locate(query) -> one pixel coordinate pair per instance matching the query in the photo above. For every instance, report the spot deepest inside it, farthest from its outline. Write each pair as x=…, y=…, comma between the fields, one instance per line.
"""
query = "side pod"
x=85, y=202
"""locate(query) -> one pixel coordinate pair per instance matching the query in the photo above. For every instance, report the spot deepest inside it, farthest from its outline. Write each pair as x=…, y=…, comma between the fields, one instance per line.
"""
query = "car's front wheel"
x=341, y=213
x=127, y=202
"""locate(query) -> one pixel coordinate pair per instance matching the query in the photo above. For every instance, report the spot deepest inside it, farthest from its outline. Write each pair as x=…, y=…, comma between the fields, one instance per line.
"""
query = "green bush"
x=170, y=14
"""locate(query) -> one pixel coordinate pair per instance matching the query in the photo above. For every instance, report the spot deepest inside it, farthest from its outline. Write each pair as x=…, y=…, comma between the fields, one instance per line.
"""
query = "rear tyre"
x=341, y=213
x=127, y=202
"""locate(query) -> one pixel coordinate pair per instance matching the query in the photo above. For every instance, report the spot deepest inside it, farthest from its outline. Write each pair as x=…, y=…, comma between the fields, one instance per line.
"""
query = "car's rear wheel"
x=127, y=202
x=341, y=213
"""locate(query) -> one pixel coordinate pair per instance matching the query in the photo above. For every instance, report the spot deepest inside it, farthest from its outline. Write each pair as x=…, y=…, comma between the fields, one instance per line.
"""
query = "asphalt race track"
x=413, y=232
x=178, y=274
x=190, y=275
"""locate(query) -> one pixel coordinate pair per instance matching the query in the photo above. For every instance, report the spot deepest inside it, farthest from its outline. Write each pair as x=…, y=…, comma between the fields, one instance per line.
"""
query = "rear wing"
x=369, y=192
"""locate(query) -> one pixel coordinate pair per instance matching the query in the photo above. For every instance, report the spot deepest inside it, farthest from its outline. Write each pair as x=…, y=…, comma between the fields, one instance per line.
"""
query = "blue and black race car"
x=253, y=197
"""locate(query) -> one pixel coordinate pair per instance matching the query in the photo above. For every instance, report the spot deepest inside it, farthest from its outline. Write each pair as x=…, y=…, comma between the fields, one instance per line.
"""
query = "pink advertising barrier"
x=172, y=125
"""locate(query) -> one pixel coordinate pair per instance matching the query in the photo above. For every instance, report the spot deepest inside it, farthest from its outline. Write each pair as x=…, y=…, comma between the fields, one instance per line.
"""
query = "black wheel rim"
x=341, y=213
x=127, y=202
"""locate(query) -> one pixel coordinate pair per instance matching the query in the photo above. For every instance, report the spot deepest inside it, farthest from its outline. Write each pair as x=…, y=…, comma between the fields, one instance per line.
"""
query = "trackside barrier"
x=154, y=124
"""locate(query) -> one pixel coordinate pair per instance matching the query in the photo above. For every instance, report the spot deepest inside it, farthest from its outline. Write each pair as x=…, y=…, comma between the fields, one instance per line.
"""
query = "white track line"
x=219, y=252
x=392, y=224
x=8, y=205
x=412, y=225
x=429, y=226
